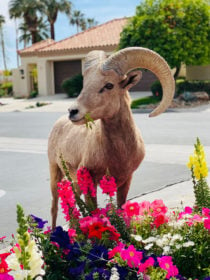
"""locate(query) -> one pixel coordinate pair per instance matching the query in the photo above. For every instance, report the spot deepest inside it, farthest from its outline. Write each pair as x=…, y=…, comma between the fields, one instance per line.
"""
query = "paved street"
x=24, y=172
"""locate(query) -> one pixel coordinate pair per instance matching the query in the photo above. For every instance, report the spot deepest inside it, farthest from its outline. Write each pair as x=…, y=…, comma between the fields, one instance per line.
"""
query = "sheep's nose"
x=73, y=112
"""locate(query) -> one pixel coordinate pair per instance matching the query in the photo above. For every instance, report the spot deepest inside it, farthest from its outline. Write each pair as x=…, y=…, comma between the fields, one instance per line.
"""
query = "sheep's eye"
x=109, y=86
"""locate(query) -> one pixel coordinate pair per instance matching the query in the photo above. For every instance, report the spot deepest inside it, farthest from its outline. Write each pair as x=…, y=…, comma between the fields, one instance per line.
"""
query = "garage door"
x=64, y=70
x=148, y=78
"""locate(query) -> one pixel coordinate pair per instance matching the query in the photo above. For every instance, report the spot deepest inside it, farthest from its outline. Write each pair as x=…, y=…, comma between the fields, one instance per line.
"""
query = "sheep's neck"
x=121, y=138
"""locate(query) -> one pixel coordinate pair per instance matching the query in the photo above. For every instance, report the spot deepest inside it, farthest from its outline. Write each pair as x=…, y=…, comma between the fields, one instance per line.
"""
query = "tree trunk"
x=52, y=30
x=16, y=34
x=177, y=72
x=3, y=48
x=33, y=36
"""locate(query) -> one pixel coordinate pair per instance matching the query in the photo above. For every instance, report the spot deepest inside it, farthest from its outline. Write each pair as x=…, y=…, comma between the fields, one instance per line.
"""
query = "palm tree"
x=27, y=10
x=2, y=21
x=41, y=34
x=52, y=8
x=77, y=19
x=91, y=22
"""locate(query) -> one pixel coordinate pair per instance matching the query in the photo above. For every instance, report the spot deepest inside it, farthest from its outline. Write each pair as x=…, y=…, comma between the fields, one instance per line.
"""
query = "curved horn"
x=135, y=57
x=94, y=58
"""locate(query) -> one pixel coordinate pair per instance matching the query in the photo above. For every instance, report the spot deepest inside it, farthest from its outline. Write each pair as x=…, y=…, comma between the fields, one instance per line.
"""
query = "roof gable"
x=103, y=36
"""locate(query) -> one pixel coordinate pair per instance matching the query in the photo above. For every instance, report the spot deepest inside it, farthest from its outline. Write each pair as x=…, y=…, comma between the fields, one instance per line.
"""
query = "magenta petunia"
x=206, y=212
x=143, y=266
x=144, y=208
x=207, y=223
x=5, y=276
x=131, y=208
x=132, y=256
x=158, y=207
x=166, y=263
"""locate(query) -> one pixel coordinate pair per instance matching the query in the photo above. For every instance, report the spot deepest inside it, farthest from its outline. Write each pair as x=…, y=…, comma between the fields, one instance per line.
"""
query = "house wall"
x=45, y=67
x=198, y=72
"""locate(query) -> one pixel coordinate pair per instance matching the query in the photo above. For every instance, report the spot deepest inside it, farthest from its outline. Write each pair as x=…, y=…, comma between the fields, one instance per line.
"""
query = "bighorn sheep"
x=114, y=141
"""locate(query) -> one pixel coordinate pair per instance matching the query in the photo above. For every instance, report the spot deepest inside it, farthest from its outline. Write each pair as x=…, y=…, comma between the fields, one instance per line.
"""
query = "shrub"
x=7, y=87
x=157, y=90
x=33, y=94
x=143, y=101
x=192, y=86
x=73, y=86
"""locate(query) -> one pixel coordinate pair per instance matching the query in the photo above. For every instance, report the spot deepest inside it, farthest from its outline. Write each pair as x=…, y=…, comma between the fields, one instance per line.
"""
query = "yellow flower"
x=190, y=162
x=197, y=162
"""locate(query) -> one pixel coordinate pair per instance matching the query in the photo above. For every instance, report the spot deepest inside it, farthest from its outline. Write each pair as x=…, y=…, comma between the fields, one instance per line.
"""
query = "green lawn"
x=143, y=101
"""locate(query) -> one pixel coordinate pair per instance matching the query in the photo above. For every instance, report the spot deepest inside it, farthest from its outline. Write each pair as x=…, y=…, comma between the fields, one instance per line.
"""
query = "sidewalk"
x=177, y=195
x=56, y=103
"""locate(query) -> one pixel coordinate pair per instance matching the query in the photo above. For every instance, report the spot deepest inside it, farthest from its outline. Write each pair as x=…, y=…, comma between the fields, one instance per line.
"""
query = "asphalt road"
x=24, y=175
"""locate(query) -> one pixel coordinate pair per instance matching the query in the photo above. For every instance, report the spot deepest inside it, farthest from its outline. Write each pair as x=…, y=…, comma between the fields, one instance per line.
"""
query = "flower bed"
x=140, y=241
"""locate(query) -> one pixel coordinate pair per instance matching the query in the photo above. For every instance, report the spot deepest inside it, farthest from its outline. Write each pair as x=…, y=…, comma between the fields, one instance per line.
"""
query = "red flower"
x=96, y=230
x=3, y=264
x=159, y=220
x=131, y=208
x=114, y=235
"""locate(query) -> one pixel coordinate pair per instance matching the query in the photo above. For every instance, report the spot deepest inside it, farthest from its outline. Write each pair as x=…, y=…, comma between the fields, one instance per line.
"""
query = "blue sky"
x=100, y=10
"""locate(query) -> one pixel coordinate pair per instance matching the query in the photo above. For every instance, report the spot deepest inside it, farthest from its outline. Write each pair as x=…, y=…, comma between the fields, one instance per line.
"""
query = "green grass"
x=144, y=101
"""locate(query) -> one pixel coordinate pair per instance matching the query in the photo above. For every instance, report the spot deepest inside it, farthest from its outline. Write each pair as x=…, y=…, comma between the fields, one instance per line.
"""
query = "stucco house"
x=57, y=61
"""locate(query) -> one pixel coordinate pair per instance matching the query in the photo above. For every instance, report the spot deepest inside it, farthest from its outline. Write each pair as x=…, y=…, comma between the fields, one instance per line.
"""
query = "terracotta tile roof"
x=103, y=36
x=36, y=47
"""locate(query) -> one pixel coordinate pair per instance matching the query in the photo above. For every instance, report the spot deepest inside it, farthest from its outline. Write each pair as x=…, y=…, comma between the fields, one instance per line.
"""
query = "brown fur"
x=114, y=141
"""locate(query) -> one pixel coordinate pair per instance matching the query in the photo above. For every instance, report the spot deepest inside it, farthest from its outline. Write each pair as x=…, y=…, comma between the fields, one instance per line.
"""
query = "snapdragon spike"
x=108, y=185
x=85, y=182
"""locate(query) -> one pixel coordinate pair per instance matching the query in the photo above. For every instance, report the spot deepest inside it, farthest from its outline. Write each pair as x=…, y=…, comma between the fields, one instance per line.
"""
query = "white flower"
x=178, y=246
x=188, y=244
x=176, y=237
x=166, y=249
x=137, y=237
x=150, y=239
x=35, y=262
x=160, y=243
x=148, y=246
x=114, y=274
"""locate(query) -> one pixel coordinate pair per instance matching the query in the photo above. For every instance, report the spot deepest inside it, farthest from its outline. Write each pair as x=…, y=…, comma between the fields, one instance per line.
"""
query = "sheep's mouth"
x=77, y=121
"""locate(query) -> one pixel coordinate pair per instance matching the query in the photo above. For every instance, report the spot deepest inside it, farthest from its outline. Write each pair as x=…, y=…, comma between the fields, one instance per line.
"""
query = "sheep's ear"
x=131, y=79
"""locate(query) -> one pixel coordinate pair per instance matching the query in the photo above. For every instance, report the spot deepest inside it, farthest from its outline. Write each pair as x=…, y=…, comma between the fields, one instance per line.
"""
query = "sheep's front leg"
x=92, y=200
x=122, y=192
x=55, y=177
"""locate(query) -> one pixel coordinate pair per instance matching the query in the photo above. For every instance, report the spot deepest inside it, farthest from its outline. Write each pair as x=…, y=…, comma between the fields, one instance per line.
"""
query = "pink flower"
x=131, y=208
x=143, y=266
x=5, y=276
x=187, y=210
x=195, y=219
x=85, y=182
x=144, y=208
x=3, y=237
x=72, y=234
x=158, y=207
x=85, y=222
x=48, y=230
x=207, y=223
x=108, y=185
x=206, y=212
x=115, y=250
x=160, y=220
x=167, y=264
x=132, y=256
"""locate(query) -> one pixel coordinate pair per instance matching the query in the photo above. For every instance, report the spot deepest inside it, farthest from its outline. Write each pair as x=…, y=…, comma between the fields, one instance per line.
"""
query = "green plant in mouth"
x=89, y=121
